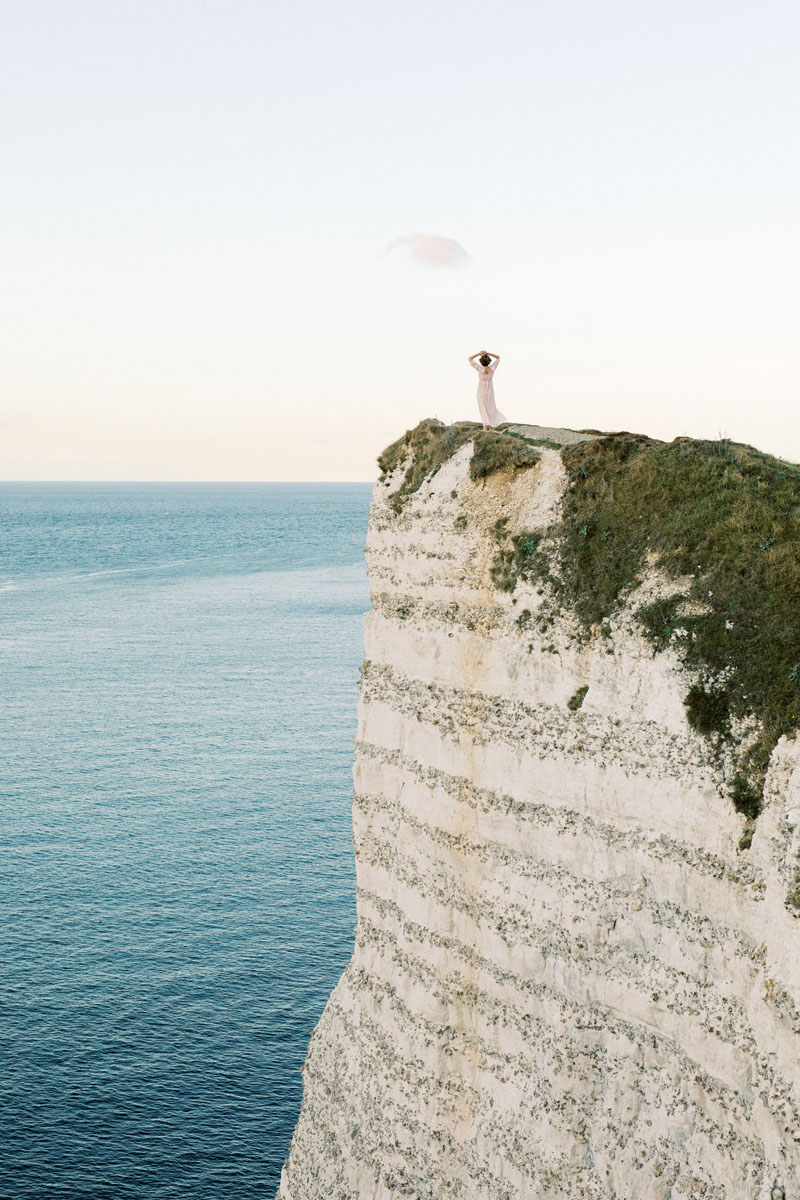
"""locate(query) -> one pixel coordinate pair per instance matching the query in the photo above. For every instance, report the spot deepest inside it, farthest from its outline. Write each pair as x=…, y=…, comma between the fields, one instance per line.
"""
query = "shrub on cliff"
x=496, y=451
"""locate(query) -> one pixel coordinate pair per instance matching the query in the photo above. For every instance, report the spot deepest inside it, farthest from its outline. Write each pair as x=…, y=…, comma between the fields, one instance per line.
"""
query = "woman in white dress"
x=486, y=367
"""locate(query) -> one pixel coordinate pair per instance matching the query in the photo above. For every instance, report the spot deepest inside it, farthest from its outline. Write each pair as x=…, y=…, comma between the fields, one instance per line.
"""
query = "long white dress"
x=490, y=414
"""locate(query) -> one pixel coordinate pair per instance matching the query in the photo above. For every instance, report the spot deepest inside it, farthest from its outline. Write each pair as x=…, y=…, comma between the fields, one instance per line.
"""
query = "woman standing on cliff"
x=490, y=416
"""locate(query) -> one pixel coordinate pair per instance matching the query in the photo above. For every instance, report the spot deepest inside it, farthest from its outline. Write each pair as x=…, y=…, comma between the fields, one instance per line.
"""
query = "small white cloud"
x=432, y=250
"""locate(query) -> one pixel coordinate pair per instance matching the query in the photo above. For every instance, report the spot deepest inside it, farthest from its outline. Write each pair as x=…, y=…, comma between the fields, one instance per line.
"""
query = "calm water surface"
x=178, y=681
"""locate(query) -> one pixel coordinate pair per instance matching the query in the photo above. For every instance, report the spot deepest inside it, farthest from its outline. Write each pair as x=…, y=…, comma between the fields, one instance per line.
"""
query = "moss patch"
x=575, y=702
x=495, y=451
x=518, y=557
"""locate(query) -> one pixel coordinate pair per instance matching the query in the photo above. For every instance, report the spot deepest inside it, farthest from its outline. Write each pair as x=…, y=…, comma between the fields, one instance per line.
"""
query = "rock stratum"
x=576, y=970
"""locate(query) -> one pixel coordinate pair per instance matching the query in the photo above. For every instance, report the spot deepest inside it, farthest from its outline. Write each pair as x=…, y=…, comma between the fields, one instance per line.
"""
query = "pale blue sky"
x=198, y=198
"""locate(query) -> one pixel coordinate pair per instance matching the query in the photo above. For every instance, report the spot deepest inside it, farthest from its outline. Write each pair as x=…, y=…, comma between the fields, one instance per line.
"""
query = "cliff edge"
x=576, y=970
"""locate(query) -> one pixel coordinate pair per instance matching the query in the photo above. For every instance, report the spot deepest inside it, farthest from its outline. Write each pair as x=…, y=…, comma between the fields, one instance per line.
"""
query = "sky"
x=258, y=241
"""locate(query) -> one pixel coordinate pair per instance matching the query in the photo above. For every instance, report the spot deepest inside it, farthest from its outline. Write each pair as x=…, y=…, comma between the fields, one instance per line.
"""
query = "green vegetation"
x=518, y=557
x=575, y=702
x=708, y=710
x=506, y=428
x=425, y=448
x=495, y=451
x=746, y=797
x=660, y=619
x=723, y=519
x=548, y=442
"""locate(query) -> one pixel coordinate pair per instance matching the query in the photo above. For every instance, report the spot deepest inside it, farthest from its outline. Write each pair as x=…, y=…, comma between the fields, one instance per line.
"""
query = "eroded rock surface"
x=569, y=979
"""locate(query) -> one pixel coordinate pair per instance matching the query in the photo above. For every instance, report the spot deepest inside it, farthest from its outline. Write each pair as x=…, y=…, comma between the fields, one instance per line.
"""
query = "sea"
x=178, y=673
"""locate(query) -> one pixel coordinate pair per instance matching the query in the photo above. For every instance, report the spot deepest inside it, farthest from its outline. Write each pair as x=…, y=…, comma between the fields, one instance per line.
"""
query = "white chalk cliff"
x=569, y=979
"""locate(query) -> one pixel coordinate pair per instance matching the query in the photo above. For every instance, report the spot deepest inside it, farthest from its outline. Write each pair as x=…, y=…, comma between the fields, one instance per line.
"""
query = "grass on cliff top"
x=495, y=451
x=728, y=517
x=424, y=449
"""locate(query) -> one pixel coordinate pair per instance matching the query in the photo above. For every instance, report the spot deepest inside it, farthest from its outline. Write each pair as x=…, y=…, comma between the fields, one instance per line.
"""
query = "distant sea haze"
x=179, y=666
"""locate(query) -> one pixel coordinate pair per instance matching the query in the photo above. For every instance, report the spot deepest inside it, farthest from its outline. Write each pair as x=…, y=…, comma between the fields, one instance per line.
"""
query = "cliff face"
x=572, y=976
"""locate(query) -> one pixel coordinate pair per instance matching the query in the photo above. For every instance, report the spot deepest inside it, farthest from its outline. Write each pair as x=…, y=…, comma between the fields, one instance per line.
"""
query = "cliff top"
x=546, y=433
x=718, y=520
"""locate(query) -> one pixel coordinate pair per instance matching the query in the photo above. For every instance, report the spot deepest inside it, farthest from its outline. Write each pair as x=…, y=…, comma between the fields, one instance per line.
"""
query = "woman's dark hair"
x=485, y=360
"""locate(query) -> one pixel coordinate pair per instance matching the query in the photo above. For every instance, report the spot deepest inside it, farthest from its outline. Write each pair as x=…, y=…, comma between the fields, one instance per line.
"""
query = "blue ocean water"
x=178, y=683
